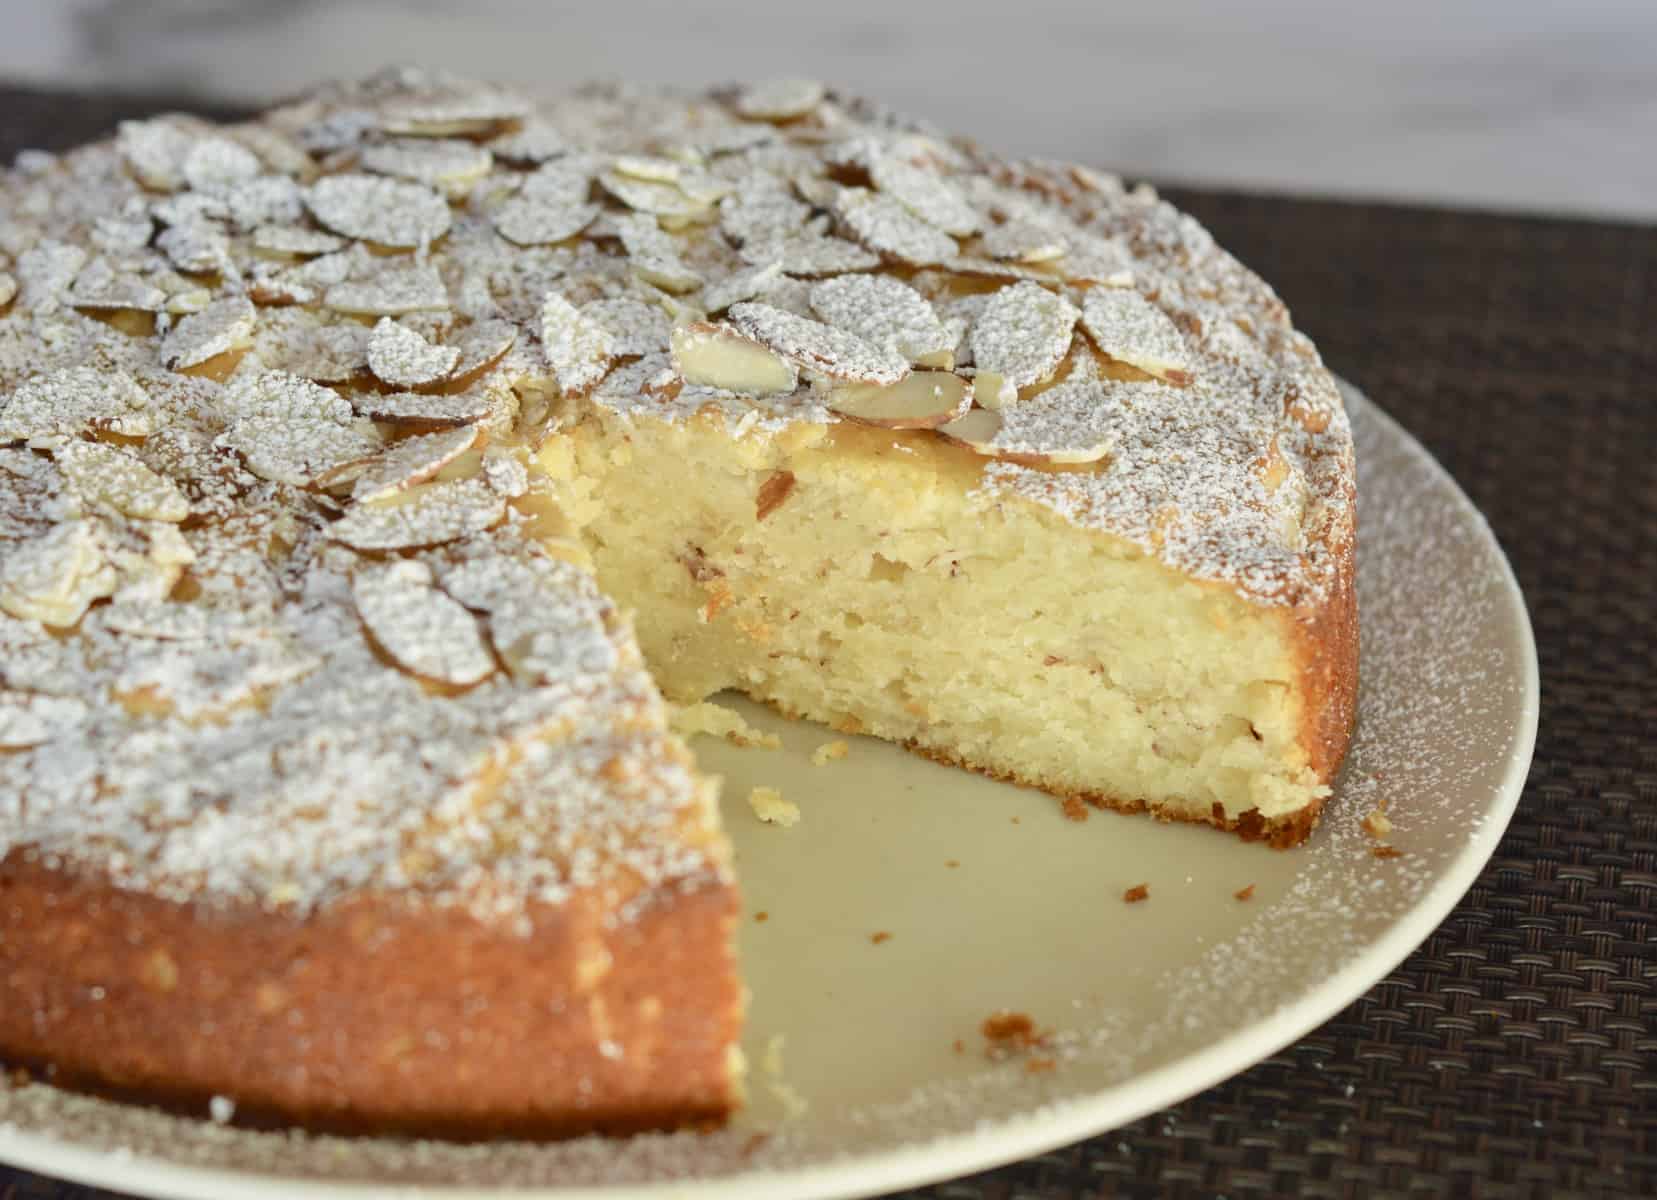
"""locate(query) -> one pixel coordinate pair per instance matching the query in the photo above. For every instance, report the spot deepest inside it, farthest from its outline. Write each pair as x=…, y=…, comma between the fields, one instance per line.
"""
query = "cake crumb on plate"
x=769, y=806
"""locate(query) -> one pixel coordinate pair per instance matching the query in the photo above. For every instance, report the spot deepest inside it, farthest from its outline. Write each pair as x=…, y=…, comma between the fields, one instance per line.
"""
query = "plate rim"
x=1058, y=1123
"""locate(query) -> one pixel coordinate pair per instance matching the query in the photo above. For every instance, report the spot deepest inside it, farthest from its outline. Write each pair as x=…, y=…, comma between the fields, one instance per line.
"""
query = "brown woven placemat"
x=1513, y=1054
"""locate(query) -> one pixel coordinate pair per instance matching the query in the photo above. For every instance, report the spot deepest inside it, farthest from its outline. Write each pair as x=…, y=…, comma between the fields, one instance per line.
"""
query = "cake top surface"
x=282, y=608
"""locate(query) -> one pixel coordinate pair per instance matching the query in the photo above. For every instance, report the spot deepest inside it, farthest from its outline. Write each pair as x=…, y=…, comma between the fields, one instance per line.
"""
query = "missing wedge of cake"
x=335, y=445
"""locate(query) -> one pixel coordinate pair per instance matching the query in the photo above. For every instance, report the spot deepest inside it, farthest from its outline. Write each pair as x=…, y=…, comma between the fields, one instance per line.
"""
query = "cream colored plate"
x=1147, y=1003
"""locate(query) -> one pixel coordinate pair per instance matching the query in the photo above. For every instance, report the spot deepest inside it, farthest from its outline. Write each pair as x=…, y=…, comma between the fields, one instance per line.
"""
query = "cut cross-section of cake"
x=334, y=446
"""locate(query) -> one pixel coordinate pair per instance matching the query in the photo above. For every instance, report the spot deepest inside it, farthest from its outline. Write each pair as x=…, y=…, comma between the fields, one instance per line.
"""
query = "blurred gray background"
x=1523, y=105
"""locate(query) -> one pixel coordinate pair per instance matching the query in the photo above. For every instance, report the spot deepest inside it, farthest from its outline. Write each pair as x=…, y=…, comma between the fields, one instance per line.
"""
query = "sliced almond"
x=1022, y=334
x=921, y=400
x=393, y=292
x=635, y=327
x=196, y=246
x=426, y=631
x=483, y=343
x=886, y=311
x=741, y=285
x=537, y=219
x=411, y=461
x=719, y=357
x=290, y=430
x=106, y=475
x=654, y=255
x=534, y=142
x=762, y=211
x=818, y=348
x=291, y=340
x=813, y=255
x=648, y=167
x=452, y=108
x=1130, y=329
x=925, y=193
x=779, y=99
x=77, y=400
x=1023, y=241
x=100, y=286
x=883, y=223
x=54, y=577
x=577, y=347
x=215, y=162
x=649, y=196
x=449, y=164
x=220, y=327
x=388, y=212
x=428, y=515
x=402, y=358
x=1072, y=423
x=420, y=410
x=8, y=289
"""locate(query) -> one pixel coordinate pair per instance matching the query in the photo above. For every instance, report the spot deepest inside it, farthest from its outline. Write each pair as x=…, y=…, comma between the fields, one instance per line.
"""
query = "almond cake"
x=369, y=472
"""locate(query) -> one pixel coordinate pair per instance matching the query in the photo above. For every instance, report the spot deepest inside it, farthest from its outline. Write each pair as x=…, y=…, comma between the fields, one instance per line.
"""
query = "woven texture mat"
x=1515, y=1053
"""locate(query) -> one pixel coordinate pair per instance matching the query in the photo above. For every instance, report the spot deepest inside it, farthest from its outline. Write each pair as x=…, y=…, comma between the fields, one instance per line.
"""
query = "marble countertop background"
x=1526, y=105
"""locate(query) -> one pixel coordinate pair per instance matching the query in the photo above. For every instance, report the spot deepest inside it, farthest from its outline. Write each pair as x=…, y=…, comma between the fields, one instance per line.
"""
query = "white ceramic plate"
x=1146, y=1003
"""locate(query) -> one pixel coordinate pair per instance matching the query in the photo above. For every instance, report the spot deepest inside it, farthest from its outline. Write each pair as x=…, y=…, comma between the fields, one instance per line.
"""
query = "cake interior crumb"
x=716, y=720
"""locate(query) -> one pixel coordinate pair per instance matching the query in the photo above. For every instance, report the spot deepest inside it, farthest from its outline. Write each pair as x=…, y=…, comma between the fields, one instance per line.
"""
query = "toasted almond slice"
x=535, y=142
x=883, y=310
x=100, y=286
x=481, y=344
x=1095, y=259
x=54, y=577
x=1022, y=334
x=427, y=631
x=635, y=327
x=1130, y=329
x=30, y=719
x=101, y=474
x=451, y=165
x=195, y=246
x=925, y=193
x=779, y=99
x=739, y=286
x=920, y=400
x=535, y=219
x=762, y=211
x=1071, y=423
x=76, y=400
x=401, y=357
x=290, y=430
x=818, y=348
x=647, y=167
x=883, y=223
x=389, y=212
x=649, y=196
x=1024, y=241
x=427, y=515
x=8, y=289
x=577, y=347
x=155, y=151
x=215, y=162
x=811, y=255
x=301, y=453
x=451, y=108
x=717, y=356
x=420, y=410
x=654, y=255
x=393, y=292
x=217, y=328
x=412, y=460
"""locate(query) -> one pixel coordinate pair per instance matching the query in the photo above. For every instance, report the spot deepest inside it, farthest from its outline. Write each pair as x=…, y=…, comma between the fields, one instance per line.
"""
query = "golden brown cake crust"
x=373, y=1016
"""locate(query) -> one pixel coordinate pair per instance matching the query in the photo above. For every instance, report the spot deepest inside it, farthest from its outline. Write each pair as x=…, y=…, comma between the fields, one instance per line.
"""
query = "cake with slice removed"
x=334, y=781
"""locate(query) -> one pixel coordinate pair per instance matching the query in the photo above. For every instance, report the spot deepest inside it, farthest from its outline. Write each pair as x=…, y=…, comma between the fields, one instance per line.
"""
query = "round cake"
x=376, y=474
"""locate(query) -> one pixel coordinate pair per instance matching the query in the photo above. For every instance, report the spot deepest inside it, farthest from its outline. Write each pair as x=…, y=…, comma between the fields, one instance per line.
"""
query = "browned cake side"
x=374, y=1016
